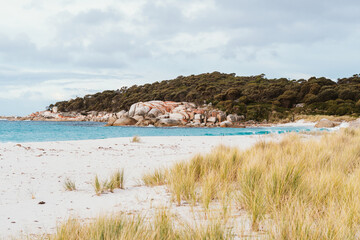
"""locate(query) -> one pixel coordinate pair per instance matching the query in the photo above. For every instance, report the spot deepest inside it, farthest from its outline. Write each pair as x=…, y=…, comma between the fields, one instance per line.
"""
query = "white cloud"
x=197, y=43
x=54, y=50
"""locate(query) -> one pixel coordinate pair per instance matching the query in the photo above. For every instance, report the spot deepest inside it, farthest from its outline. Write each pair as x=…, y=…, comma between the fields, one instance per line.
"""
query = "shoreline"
x=97, y=132
x=239, y=125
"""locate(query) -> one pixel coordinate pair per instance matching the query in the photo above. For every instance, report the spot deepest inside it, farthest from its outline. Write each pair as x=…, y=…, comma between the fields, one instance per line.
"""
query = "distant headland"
x=212, y=98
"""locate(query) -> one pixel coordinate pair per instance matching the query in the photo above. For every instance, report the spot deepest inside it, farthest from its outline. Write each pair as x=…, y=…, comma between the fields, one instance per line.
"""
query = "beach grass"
x=97, y=186
x=156, y=178
x=161, y=227
x=136, y=139
x=293, y=189
x=116, y=180
x=296, y=188
x=69, y=185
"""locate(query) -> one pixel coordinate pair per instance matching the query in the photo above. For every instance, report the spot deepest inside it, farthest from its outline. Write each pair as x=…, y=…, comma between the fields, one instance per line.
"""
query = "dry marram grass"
x=116, y=181
x=294, y=189
x=135, y=139
x=156, y=178
x=69, y=185
x=162, y=227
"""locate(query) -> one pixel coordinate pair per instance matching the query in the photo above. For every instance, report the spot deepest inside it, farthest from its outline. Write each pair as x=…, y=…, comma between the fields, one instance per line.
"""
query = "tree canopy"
x=255, y=97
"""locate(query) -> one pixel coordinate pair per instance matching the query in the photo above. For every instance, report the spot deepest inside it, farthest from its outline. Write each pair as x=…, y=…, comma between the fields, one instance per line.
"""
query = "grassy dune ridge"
x=295, y=189
x=298, y=188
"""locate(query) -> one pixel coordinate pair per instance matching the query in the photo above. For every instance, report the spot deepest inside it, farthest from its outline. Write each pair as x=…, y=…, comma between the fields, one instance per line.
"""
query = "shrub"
x=328, y=94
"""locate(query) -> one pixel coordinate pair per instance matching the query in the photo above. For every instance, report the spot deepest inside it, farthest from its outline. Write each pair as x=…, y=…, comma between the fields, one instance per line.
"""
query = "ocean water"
x=37, y=131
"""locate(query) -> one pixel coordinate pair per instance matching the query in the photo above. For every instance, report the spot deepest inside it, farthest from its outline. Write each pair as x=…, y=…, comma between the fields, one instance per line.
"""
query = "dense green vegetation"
x=255, y=97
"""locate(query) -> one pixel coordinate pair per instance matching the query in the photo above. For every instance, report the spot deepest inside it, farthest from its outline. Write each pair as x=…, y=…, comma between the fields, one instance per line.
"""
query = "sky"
x=57, y=50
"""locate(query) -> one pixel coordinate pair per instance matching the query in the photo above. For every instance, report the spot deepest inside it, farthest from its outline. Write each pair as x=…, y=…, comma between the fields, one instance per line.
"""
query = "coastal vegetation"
x=135, y=139
x=293, y=189
x=116, y=181
x=300, y=187
x=254, y=97
x=97, y=186
x=156, y=178
x=69, y=185
x=162, y=227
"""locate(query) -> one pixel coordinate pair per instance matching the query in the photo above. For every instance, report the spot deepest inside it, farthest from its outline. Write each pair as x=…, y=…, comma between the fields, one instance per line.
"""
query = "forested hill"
x=255, y=97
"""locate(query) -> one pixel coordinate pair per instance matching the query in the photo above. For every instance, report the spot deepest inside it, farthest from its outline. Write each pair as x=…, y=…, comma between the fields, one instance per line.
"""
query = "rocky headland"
x=161, y=114
x=152, y=113
x=167, y=114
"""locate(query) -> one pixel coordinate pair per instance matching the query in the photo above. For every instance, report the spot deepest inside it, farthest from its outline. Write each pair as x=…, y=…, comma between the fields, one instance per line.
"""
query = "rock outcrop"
x=235, y=118
x=225, y=124
x=111, y=121
x=124, y=121
x=167, y=113
x=152, y=113
x=122, y=113
x=71, y=116
x=168, y=122
x=325, y=123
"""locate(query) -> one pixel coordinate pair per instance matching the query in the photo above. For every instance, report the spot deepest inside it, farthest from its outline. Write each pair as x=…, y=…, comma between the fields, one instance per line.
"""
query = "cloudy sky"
x=56, y=50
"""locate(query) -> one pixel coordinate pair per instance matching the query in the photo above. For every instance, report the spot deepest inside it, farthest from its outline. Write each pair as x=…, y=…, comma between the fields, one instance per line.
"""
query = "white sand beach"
x=35, y=172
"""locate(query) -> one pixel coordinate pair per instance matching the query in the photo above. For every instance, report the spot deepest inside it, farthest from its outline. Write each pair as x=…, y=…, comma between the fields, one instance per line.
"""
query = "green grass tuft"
x=135, y=139
x=97, y=186
x=116, y=181
x=69, y=185
x=156, y=178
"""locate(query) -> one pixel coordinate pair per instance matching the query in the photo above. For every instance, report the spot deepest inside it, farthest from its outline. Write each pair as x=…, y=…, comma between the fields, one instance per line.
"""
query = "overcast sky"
x=57, y=50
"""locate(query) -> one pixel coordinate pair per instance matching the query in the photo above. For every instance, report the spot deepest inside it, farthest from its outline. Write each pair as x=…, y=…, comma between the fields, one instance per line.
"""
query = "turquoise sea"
x=33, y=131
